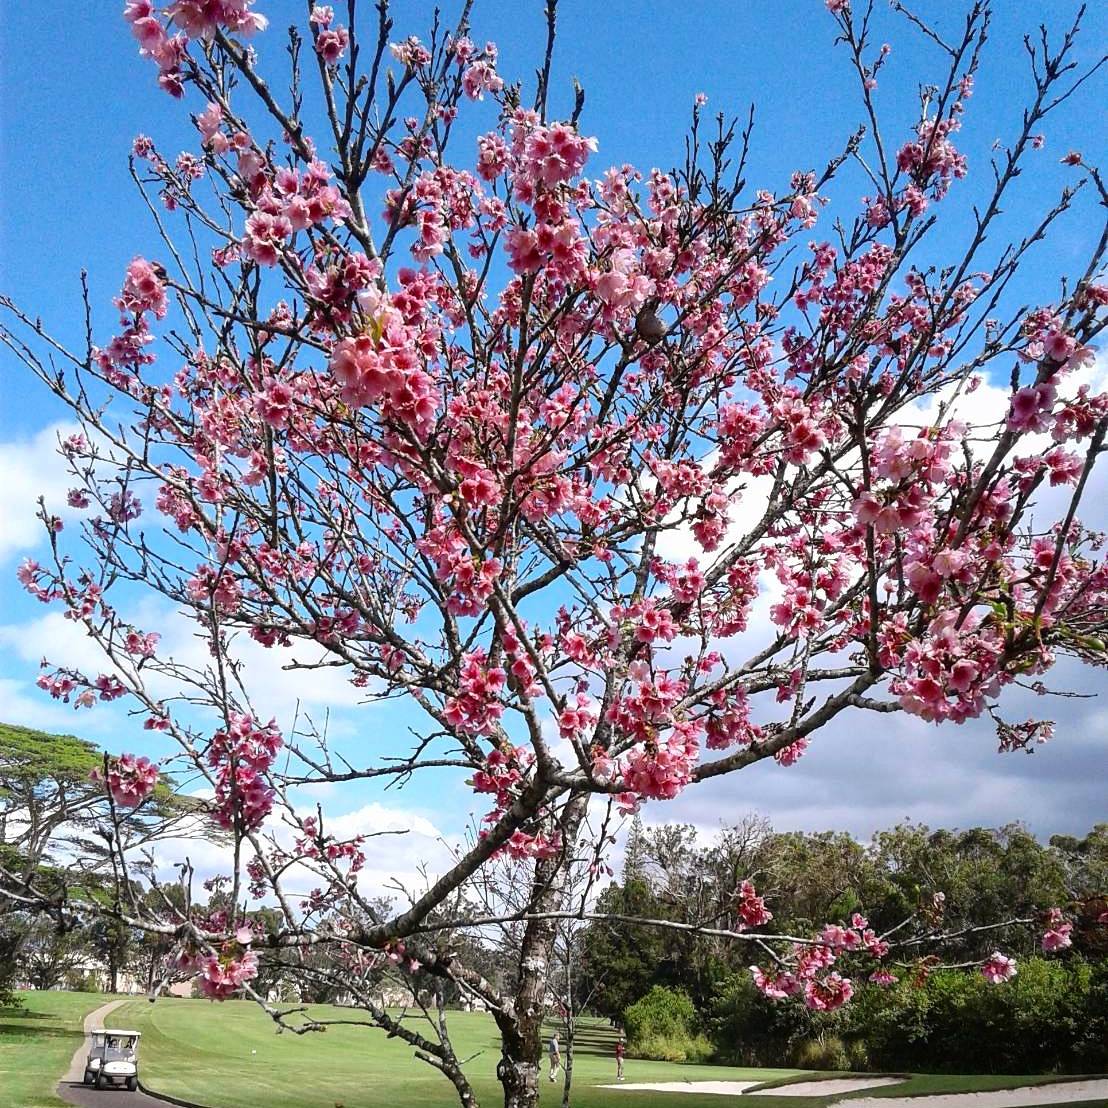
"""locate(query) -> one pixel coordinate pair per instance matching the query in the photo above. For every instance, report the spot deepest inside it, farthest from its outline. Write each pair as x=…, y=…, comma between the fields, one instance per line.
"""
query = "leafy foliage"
x=983, y=875
x=1052, y=1017
x=662, y=1026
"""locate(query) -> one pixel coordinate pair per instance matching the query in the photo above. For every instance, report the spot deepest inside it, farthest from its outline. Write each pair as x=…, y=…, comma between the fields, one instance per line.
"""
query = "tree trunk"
x=570, y=1024
x=567, y=1076
x=521, y=1028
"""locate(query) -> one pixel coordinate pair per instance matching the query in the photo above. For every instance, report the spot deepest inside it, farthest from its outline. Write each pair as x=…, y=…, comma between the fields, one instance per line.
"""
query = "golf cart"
x=112, y=1059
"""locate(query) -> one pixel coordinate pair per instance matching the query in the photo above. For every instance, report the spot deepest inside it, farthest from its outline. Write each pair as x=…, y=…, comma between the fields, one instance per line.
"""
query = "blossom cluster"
x=129, y=779
x=223, y=974
x=241, y=755
x=190, y=19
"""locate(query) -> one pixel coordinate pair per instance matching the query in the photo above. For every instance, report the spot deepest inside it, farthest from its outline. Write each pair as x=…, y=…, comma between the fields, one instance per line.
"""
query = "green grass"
x=203, y=1052
x=36, y=1043
x=193, y=1049
x=229, y=1056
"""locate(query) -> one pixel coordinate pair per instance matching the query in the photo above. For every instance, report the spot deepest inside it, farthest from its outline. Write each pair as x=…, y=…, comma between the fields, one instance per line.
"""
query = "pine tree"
x=633, y=859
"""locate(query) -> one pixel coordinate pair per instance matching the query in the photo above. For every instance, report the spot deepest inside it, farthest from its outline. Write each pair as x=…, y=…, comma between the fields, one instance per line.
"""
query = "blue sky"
x=72, y=99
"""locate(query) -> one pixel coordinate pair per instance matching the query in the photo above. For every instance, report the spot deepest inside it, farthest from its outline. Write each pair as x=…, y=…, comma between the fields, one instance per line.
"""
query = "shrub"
x=826, y=1052
x=749, y=1031
x=663, y=1025
x=673, y=1048
x=661, y=1011
x=1053, y=1016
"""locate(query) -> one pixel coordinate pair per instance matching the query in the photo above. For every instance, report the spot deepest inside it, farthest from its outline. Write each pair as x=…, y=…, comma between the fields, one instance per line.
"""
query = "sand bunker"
x=1030, y=1096
x=831, y=1087
x=723, y=1088
x=1058, y=1092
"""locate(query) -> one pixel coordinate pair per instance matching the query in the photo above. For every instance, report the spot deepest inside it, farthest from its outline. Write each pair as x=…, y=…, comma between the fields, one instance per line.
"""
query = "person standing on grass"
x=621, y=1049
x=555, y=1055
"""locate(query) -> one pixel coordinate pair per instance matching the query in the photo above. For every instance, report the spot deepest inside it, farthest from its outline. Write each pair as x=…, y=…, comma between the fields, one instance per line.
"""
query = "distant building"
x=88, y=972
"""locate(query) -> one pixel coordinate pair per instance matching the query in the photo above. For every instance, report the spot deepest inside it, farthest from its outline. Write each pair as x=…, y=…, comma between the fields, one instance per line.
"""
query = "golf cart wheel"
x=87, y=1079
x=132, y=1084
x=100, y=1082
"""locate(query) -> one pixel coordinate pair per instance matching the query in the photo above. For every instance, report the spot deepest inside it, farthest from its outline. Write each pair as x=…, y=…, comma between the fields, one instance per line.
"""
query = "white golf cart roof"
x=116, y=1031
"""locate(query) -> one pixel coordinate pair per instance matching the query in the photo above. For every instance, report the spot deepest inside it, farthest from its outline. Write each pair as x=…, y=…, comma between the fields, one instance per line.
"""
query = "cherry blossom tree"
x=436, y=414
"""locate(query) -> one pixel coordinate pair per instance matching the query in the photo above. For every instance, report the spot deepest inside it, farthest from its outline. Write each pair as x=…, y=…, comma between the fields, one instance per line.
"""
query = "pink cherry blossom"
x=331, y=44
x=751, y=907
x=223, y=977
x=479, y=78
x=266, y=236
x=998, y=968
x=827, y=993
x=208, y=123
x=1057, y=938
x=143, y=290
x=791, y=754
x=130, y=779
x=775, y=985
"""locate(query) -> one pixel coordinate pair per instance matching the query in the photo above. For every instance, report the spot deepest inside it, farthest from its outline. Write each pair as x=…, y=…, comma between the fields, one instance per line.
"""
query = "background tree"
x=621, y=958
x=45, y=791
x=114, y=945
x=155, y=956
x=977, y=878
x=58, y=829
x=47, y=795
x=50, y=953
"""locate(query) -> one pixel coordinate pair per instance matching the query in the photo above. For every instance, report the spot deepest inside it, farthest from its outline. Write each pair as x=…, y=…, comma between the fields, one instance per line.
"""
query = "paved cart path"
x=73, y=1091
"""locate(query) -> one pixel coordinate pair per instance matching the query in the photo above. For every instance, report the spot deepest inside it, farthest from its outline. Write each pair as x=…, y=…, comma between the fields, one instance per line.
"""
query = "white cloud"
x=983, y=407
x=31, y=468
x=403, y=847
x=62, y=641
x=866, y=771
x=376, y=818
x=988, y=404
x=22, y=703
x=274, y=690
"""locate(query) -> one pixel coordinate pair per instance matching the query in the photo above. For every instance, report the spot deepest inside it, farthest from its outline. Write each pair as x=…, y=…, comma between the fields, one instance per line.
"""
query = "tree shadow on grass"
x=24, y=1024
x=588, y=1039
x=14, y=1031
x=19, y=1012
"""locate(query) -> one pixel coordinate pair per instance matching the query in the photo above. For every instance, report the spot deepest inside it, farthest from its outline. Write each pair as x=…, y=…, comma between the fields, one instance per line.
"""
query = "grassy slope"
x=36, y=1043
x=194, y=1049
x=191, y=1049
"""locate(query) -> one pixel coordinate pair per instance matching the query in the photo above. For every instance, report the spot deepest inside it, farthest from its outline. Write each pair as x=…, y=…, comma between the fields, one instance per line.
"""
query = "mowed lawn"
x=229, y=1056
x=36, y=1042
